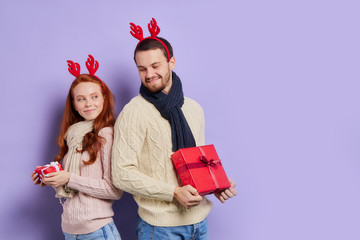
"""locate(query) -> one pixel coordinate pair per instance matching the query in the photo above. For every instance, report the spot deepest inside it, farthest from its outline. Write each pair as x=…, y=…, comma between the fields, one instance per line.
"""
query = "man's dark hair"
x=150, y=44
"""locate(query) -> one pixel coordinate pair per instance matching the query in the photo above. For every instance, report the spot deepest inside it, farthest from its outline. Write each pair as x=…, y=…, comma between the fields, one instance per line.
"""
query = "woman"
x=85, y=142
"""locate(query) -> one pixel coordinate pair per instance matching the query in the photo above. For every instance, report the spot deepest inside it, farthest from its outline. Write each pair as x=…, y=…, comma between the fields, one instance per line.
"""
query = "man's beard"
x=163, y=84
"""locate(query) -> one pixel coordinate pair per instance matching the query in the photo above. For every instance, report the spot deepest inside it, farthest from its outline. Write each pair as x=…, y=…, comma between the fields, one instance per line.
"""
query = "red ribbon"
x=204, y=162
x=211, y=163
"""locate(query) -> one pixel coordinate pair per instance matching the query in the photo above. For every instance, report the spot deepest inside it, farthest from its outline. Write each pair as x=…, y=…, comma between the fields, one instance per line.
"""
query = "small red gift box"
x=48, y=168
x=201, y=168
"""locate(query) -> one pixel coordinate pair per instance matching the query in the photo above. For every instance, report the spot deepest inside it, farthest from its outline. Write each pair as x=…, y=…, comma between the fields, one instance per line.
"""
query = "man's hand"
x=187, y=196
x=56, y=179
x=227, y=193
x=34, y=177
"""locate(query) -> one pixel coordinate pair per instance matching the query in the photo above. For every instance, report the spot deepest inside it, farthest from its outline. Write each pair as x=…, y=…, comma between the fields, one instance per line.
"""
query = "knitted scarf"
x=74, y=137
x=169, y=105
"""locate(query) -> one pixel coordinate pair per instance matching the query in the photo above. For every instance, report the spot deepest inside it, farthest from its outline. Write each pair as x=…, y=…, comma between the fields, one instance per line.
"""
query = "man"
x=148, y=130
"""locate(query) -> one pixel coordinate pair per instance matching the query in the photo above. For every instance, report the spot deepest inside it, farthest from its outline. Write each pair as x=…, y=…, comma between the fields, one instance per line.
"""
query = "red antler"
x=136, y=31
x=154, y=29
x=92, y=65
x=74, y=68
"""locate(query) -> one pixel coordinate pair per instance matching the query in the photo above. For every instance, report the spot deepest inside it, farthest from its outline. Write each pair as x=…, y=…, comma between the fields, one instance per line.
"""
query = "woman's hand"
x=34, y=176
x=56, y=179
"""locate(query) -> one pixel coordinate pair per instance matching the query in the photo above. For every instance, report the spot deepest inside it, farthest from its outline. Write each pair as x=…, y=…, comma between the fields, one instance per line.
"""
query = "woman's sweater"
x=141, y=162
x=91, y=208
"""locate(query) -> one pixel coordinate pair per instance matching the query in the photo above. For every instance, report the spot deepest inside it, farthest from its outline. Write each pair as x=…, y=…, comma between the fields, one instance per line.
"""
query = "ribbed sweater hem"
x=85, y=227
x=175, y=218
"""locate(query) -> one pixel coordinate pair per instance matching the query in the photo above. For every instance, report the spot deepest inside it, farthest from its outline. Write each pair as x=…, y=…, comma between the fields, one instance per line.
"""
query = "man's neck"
x=167, y=89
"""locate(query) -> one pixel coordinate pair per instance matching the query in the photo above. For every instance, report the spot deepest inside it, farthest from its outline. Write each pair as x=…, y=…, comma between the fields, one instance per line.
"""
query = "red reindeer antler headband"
x=154, y=29
x=91, y=64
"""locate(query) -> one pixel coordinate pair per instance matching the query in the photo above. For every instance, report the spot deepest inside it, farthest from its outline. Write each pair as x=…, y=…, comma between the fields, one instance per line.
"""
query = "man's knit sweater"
x=141, y=163
x=91, y=208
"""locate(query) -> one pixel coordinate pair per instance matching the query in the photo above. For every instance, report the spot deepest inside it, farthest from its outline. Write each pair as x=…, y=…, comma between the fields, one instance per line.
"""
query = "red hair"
x=92, y=141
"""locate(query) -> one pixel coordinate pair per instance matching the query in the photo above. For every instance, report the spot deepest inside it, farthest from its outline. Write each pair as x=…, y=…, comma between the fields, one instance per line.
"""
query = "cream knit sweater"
x=141, y=163
x=91, y=208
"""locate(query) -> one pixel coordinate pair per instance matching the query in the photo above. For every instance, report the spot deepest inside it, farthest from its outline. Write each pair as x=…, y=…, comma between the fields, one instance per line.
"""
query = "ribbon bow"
x=208, y=162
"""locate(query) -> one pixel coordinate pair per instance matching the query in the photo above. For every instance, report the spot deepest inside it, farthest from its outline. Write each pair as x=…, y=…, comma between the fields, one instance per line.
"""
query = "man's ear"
x=172, y=63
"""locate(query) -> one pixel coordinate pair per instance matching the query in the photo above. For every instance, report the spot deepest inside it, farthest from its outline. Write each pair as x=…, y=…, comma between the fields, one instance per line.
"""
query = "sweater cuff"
x=169, y=192
x=72, y=181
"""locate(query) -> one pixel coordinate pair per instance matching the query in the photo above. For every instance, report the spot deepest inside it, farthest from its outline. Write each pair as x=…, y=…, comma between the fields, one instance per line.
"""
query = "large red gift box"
x=48, y=168
x=201, y=168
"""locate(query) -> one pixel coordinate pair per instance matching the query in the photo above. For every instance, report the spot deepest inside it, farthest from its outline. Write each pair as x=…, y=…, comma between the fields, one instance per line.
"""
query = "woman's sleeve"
x=99, y=188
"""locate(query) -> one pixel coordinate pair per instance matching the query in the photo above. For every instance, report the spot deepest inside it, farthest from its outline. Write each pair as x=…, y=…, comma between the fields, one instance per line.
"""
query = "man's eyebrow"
x=139, y=66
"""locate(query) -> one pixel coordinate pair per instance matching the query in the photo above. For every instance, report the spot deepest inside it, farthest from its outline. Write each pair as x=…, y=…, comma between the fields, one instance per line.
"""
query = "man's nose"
x=150, y=73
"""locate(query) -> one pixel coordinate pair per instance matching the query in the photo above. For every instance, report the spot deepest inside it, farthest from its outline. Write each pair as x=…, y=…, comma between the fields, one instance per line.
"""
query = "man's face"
x=155, y=70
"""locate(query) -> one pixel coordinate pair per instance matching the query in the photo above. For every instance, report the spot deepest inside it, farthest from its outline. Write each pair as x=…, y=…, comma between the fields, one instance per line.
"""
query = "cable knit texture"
x=141, y=163
x=91, y=208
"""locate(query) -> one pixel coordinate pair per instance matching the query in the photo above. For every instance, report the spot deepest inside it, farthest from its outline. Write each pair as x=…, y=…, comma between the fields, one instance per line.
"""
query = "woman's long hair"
x=92, y=141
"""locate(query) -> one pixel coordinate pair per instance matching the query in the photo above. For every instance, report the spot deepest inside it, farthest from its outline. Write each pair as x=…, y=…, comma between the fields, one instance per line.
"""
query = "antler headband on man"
x=154, y=29
x=91, y=64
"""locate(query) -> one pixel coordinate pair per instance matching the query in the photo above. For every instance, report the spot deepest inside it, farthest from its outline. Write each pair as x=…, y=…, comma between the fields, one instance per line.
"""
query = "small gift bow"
x=56, y=165
x=210, y=162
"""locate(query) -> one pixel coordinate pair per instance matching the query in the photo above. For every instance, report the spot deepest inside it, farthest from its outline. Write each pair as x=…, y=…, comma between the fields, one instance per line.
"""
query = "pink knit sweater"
x=91, y=208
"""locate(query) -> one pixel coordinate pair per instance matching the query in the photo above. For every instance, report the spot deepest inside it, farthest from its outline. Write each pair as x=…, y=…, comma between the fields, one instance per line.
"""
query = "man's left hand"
x=227, y=193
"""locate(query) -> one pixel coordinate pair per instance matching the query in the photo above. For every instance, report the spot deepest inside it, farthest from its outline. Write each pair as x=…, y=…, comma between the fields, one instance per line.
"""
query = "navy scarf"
x=169, y=107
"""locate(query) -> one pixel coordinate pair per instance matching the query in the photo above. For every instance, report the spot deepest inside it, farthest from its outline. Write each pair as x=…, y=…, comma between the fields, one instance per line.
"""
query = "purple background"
x=278, y=80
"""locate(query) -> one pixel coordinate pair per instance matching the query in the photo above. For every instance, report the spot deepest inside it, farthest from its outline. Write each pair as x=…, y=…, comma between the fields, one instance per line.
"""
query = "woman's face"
x=88, y=100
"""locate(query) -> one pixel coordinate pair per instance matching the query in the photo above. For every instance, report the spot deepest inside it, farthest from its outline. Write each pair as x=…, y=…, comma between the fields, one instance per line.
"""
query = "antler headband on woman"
x=91, y=64
x=154, y=29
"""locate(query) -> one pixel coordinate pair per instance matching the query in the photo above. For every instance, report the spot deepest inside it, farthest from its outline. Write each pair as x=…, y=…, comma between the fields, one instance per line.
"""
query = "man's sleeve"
x=129, y=137
x=202, y=127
